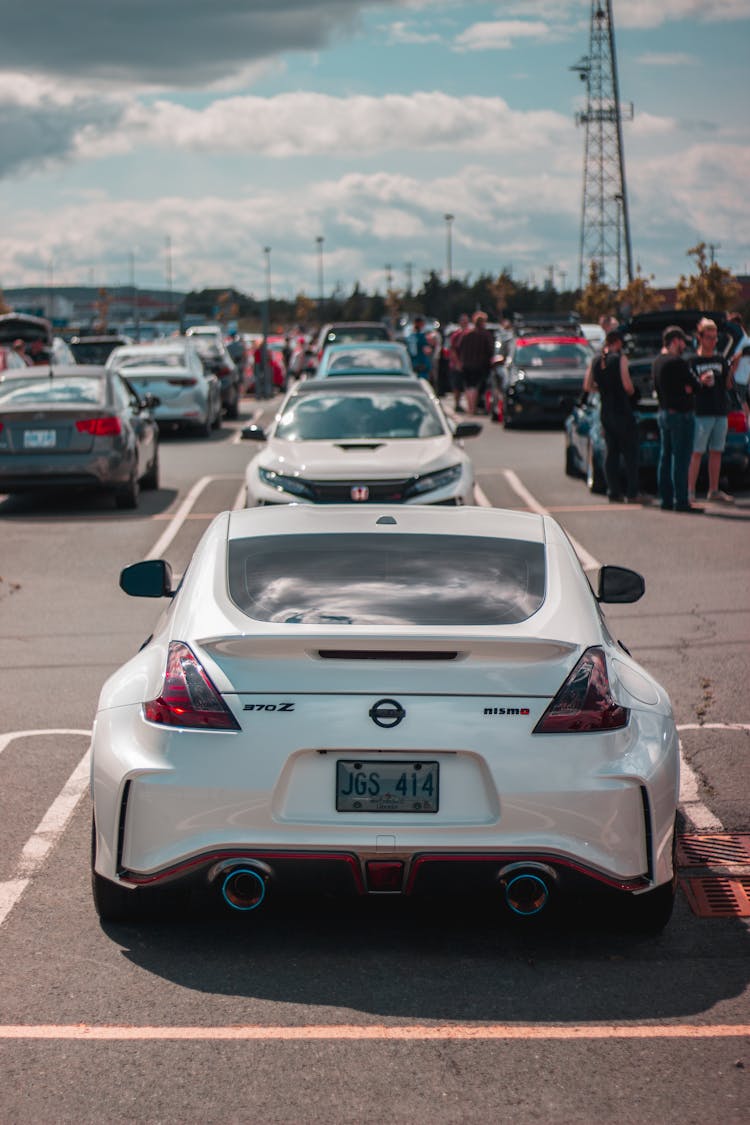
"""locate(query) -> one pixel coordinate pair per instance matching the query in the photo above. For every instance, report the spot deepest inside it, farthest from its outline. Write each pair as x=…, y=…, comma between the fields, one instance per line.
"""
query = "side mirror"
x=149, y=579
x=618, y=584
x=253, y=433
x=467, y=429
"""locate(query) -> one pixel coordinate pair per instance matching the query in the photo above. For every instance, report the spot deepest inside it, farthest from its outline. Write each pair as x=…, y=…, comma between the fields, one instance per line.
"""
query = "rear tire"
x=151, y=479
x=650, y=912
x=126, y=496
x=112, y=902
x=233, y=409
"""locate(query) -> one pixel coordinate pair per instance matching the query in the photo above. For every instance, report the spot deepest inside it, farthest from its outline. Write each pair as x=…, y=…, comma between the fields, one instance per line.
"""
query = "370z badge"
x=268, y=707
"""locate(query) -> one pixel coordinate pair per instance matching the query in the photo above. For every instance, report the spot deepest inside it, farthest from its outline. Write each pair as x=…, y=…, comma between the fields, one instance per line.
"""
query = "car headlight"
x=283, y=483
x=432, y=481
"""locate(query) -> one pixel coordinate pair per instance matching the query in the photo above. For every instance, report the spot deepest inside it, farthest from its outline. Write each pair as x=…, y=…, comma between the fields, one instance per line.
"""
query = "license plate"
x=377, y=786
x=39, y=439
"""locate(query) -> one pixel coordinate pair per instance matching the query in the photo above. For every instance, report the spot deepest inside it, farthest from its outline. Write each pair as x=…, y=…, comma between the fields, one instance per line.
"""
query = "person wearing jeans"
x=609, y=374
x=675, y=387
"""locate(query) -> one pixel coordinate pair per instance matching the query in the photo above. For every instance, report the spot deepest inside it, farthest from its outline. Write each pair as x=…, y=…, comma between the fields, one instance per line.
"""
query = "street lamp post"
x=619, y=202
x=448, y=246
x=319, y=240
x=134, y=299
x=267, y=386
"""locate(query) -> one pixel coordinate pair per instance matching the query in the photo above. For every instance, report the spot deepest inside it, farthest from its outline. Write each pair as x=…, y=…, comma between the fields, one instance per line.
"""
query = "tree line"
x=707, y=286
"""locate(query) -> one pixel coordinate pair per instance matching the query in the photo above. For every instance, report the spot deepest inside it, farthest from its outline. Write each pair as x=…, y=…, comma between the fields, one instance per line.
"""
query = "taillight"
x=737, y=422
x=584, y=702
x=100, y=427
x=188, y=698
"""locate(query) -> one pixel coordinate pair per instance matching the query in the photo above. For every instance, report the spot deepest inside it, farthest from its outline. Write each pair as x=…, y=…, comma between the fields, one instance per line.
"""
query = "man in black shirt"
x=675, y=387
x=610, y=375
x=712, y=373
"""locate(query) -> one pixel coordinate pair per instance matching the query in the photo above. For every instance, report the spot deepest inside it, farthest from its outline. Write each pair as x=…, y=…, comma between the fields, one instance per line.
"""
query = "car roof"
x=524, y=341
x=99, y=339
x=293, y=519
x=365, y=345
x=355, y=324
x=359, y=384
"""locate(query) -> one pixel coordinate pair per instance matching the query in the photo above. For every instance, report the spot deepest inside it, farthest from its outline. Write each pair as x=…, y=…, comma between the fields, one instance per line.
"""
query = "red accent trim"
x=208, y=858
x=501, y=859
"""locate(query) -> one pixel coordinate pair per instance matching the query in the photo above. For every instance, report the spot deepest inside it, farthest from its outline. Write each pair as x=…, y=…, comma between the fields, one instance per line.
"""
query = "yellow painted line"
x=457, y=1032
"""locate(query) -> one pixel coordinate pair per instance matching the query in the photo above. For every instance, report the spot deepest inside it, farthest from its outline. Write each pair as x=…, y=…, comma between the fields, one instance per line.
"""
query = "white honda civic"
x=384, y=701
x=361, y=440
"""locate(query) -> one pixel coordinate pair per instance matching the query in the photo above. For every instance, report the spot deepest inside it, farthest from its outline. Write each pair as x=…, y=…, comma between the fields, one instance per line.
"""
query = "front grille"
x=340, y=492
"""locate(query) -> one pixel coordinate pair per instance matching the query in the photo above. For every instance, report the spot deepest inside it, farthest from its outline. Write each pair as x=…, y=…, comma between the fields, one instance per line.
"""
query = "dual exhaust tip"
x=527, y=887
x=242, y=885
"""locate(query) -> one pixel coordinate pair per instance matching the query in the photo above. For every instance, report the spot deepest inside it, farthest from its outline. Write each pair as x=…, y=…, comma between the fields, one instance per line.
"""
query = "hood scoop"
x=346, y=445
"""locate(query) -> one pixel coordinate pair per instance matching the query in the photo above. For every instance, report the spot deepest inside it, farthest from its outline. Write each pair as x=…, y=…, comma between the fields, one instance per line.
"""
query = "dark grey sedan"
x=76, y=427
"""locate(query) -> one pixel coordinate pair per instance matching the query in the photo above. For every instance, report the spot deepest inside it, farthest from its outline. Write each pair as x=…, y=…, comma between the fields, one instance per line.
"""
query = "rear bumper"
x=169, y=806
x=349, y=873
x=24, y=474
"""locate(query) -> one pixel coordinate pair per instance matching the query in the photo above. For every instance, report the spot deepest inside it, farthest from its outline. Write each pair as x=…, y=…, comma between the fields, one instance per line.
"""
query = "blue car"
x=585, y=447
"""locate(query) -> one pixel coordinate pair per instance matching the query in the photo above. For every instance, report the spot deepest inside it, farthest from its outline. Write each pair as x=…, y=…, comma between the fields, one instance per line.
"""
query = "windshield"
x=367, y=359
x=553, y=355
x=37, y=392
x=333, y=417
x=93, y=351
x=386, y=579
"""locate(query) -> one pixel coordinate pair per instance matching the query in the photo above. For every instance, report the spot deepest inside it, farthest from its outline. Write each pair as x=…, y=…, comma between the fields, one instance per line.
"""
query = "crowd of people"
x=693, y=406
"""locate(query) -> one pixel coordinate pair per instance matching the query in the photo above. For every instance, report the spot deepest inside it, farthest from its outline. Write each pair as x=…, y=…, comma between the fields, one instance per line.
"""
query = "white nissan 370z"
x=384, y=700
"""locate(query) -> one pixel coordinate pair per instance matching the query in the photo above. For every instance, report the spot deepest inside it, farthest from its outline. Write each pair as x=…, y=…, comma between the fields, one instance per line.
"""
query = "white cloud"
x=403, y=33
x=654, y=13
x=297, y=125
x=499, y=34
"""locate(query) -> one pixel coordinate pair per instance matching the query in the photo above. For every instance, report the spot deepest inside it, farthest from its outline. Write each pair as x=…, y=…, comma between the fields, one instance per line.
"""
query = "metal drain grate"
x=713, y=850
x=717, y=896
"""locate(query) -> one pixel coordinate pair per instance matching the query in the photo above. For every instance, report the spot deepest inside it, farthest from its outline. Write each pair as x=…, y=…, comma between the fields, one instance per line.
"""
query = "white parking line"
x=50, y=827
x=182, y=514
x=6, y=739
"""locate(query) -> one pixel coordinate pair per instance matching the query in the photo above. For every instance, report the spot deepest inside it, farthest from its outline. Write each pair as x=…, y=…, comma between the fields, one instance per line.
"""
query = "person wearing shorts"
x=712, y=372
x=454, y=361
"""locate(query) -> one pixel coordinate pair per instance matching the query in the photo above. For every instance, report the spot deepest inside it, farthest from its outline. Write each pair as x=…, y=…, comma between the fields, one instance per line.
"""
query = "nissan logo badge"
x=387, y=713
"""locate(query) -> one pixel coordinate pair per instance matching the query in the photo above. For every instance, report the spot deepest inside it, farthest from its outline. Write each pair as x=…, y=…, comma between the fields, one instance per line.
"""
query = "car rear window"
x=551, y=355
x=386, y=579
x=366, y=359
x=151, y=359
x=40, y=392
x=93, y=351
x=351, y=335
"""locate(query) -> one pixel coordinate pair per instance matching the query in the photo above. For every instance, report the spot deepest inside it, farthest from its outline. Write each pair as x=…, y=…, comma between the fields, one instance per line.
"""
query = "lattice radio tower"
x=605, y=225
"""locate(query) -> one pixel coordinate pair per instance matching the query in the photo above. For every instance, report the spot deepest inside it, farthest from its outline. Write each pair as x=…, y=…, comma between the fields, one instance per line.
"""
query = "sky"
x=172, y=140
